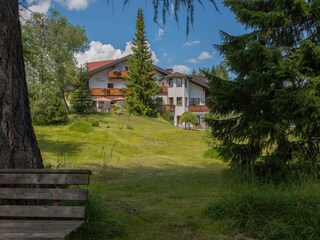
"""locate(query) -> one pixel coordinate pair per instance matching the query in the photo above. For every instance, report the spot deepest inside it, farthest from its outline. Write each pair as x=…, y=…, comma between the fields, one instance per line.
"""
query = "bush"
x=47, y=107
x=81, y=126
x=95, y=123
x=270, y=212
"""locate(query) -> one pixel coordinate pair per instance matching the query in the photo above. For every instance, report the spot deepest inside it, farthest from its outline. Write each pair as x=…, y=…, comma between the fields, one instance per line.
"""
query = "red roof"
x=95, y=65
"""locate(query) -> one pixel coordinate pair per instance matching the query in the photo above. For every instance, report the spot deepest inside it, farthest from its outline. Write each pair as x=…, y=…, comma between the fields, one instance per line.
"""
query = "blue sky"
x=110, y=28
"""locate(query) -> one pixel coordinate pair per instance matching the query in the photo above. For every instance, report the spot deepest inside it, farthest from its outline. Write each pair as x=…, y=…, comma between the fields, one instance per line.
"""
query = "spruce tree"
x=268, y=116
x=81, y=99
x=141, y=83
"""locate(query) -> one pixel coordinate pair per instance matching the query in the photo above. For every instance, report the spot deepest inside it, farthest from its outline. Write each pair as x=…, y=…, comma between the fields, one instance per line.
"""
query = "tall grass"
x=270, y=211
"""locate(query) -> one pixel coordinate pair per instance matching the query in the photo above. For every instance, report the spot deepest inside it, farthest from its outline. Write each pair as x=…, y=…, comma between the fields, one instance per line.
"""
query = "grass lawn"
x=151, y=179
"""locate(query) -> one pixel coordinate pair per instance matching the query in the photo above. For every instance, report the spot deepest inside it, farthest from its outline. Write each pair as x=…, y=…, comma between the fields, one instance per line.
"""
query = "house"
x=179, y=92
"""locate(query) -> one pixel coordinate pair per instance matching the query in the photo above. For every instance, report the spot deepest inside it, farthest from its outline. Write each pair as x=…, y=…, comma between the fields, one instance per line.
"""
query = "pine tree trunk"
x=18, y=145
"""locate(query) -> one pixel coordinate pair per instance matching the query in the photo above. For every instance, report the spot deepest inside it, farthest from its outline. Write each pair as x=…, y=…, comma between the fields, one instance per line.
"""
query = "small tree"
x=189, y=118
x=81, y=99
x=141, y=83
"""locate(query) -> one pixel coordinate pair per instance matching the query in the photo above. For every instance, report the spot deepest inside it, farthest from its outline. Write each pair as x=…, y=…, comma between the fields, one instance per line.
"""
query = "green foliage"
x=269, y=212
x=49, y=44
x=168, y=6
x=268, y=116
x=46, y=106
x=221, y=71
x=81, y=101
x=141, y=83
x=117, y=108
x=95, y=123
x=81, y=126
x=189, y=118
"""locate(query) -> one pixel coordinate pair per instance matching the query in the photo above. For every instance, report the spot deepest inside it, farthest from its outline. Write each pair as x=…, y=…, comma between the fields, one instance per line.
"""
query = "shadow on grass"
x=59, y=146
x=142, y=202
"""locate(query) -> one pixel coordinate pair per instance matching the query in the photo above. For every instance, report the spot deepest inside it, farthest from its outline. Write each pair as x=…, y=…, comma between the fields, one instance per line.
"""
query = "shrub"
x=95, y=123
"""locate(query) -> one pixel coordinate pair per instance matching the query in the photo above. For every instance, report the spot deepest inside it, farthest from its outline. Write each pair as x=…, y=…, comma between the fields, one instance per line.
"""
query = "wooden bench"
x=36, y=203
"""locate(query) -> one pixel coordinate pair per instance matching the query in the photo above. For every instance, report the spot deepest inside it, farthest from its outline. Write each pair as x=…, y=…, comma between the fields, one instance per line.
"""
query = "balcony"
x=197, y=108
x=164, y=90
x=170, y=108
x=106, y=92
x=117, y=74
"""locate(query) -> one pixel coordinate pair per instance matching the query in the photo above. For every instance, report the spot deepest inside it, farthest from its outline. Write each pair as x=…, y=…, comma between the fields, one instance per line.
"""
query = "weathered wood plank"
x=42, y=211
x=50, y=171
x=44, y=178
x=21, y=226
x=43, y=194
x=33, y=236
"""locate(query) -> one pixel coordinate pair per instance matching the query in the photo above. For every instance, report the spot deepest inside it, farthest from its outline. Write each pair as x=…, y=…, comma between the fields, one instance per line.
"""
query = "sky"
x=110, y=28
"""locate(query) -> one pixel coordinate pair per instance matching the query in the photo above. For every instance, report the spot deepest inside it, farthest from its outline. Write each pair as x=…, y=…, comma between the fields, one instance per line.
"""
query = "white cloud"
x=181, y=69
x=191, y=43
x=202, y=56
x=99, y=52
x=38, y=6
x=205, y=55
x=43, y=6
x=193, y=60
x=158, y=36
x=74, y=4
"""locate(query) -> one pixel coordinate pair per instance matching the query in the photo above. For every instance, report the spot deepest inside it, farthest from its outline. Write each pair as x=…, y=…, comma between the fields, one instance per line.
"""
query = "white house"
x=179, y=92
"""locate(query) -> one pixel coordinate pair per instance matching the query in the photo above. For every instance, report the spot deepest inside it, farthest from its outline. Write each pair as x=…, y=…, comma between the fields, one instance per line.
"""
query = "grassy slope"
x=153, y=178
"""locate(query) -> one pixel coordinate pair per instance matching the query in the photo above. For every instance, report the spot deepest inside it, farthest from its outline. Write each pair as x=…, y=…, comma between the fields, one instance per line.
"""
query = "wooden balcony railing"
x=164, y=89
x=170, y=108
x=106, y=91
x=117, y=74
x=197, y=108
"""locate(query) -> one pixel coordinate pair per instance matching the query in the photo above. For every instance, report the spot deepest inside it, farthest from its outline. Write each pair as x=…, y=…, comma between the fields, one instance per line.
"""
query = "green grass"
x=155, y=181
x=150, y=181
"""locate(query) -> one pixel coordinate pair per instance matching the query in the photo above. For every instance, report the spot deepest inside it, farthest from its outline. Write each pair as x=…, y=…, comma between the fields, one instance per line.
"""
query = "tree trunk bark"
x=18, y=145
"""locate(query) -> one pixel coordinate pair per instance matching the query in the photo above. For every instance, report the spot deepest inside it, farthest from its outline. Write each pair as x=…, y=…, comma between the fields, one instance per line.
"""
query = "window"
x=170, y=100
x=179, y=101
x=179, y=82
x=170, y=82
x=94, y=103
x=186, y=83
x=186, y=101
x=126, y=68
x=194, y=101
x=110, y=85
x=118, y=68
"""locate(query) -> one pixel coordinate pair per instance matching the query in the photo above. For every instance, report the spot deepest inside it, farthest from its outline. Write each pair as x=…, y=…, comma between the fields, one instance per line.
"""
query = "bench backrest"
x=36, y=193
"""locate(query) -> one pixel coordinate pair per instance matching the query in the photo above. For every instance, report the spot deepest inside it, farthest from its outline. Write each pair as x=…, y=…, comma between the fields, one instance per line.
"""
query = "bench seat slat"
x=43, y=194
x=44, y=179
x=42, y=211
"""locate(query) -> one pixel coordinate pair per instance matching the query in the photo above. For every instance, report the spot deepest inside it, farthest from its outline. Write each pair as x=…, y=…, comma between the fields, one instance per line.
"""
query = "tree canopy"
x=268, y=116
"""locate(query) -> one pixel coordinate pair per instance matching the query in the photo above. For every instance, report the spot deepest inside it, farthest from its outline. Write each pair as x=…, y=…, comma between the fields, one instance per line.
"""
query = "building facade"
x=179, y=92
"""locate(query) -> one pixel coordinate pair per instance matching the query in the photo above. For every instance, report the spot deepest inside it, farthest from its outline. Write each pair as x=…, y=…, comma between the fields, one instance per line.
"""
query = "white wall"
x=196, y=91
x=99, y=80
